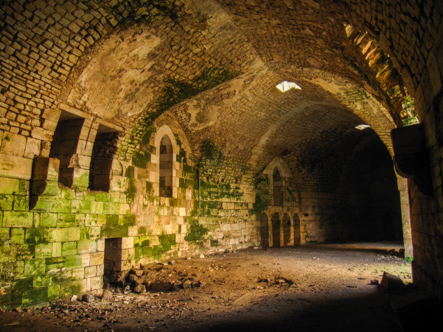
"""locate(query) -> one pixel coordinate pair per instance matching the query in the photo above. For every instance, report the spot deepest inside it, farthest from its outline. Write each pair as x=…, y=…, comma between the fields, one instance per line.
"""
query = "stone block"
x=73, y=262
x=114, y=231
x=118, y=183
x=66, y=220
x=6, y=202
x=48, y=219
x=85, y=246
x=17, y=235
x=64, y=234
x=56, y=249
x=55, y=264
x=18, y=219
x=96, y=283
x=42, y=203
x=43, y=250
x=32, y=148
x=100, y=270
x=127, y=243
x=97, y=258
x=94, y=232
x=15, y=167
x=90, y=271
x=81, y=178
x=9, y=186
x=101, y=245
x=13, y=144
x=69, y=248
x=84, y=162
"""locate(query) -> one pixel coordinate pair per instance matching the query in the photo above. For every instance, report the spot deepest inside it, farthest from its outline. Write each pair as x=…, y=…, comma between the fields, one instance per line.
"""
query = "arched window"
x=276, y=234
x=296, y=229
x=277, y=186
x=286, y=230
x=264, y=230
x=166, y=162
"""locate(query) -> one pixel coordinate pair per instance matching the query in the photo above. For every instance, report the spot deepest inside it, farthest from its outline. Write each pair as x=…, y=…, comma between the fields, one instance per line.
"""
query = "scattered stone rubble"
x=160, y=277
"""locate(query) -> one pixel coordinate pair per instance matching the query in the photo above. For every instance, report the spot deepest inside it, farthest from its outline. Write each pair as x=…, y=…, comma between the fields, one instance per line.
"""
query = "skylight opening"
x=362, y=126
x=286, y=86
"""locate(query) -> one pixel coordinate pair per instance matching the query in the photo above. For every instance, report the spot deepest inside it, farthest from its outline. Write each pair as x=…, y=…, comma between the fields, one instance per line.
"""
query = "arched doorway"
x=286, y=230
x=296, y=223
x=166, y=162
x=276, y=234
x=277, y=186
x=264, y=230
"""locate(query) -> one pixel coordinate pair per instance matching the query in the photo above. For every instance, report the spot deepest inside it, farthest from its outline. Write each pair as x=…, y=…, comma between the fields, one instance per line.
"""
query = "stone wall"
x=207, y=71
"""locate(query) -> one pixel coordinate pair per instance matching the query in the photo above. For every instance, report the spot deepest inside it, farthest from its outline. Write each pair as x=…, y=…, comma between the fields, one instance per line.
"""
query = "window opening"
x=112, y=261
x=277, y=184
x=64, y=146
x=286, y=86
x=105, y=147
x=276, y=234
x=362, y=126
x=286, y=230
x=166, y=162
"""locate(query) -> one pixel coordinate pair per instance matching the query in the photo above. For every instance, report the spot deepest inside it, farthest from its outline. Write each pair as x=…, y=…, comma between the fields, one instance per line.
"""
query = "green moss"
x=157, y=251
x=111, y=220
x=130, y=172
x=196, y=232
x=210, y=151
x=114, y=231
x=131, y=192
x=214, y=191
x=262, y=197
x=148, y=188
x=128, y=219
x=176, y=91
x=37, y=235
x=34, y=296
x=167, y=241
x=141, y=159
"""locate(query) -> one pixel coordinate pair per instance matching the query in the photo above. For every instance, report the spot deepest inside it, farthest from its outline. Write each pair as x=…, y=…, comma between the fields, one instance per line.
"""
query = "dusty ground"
x=308, y=288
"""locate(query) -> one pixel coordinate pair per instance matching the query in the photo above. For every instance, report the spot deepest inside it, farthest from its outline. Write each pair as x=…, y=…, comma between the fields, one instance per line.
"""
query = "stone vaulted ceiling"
x=214, y=65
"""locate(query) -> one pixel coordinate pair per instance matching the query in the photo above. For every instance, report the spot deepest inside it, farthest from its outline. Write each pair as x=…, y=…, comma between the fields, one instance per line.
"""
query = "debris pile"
x=161, y=277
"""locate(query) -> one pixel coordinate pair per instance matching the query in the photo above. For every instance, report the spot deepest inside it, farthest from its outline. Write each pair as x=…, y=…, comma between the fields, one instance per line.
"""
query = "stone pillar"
x=82, y=158
x=403, y=188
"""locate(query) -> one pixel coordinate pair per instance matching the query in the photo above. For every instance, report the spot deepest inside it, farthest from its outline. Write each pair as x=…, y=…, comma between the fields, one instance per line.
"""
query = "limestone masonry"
x=134, y=131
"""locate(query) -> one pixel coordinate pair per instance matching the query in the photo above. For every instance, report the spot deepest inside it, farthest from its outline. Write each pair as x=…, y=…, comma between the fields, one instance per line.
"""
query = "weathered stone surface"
x=15, y=167
x=204, y=76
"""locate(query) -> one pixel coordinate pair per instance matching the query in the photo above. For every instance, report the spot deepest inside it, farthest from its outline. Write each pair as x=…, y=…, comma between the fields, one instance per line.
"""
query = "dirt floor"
x=307, y=288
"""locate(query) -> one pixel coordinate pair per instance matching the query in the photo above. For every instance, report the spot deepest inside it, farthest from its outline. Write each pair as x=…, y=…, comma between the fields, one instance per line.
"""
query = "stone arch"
x=264, y=230
x=276, y=230
x=286, y=223
x=296, y=229
x=166, y=151
x=279, y=174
